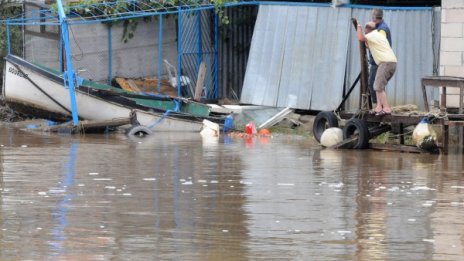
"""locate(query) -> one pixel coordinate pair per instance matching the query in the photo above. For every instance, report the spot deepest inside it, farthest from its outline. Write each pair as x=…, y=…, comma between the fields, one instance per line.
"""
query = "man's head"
x=370, y=26
x=377, y=15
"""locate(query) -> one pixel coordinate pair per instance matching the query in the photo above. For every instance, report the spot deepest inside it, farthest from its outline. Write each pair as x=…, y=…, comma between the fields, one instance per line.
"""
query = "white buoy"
x=331, y=136
x=424, y=136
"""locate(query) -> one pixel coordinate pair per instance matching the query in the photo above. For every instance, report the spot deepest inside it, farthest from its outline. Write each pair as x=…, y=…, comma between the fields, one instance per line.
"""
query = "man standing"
x=385, y=59
x=382, y=27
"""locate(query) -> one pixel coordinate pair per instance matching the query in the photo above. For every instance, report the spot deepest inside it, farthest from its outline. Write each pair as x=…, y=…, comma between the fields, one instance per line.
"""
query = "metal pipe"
x=160, y=51
x=69, y=75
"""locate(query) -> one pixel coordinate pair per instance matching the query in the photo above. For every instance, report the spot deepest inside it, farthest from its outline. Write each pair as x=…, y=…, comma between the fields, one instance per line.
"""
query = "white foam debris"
x=56, y=191
x=343, y=232
x=149, y=179
x=187, y=183
x=81, y=185
x=428, y=203
x=39, y=228
x=127, y=194
x=394, y=189
x=214, y=182
x=23, y=146
x=93, y=173
x=246, y=182
x=202, y=181
x=457, y=187
x=102, y=179
x=336, y=185
x=285, y=184
x=182, y=180
x=422, y=188
x=428, y=240
x=110, y=187
x=42, y=193
x=411, y=219
x=225, y=231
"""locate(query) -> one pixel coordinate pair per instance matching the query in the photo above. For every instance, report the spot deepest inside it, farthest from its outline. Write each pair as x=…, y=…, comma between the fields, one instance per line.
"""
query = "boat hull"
x=33, y=90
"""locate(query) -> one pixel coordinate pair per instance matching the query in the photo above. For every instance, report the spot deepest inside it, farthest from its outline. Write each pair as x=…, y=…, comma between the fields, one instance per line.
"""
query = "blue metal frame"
x=160, y=50
x=110, y=55
x=8, y=37
x=179, y=49
x=69, y=75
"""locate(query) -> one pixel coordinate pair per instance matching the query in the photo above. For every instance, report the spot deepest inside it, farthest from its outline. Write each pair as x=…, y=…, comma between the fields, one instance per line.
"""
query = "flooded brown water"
x=178, y=197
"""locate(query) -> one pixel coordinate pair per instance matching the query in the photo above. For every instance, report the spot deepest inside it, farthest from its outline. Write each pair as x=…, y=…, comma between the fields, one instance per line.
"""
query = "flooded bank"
x=179, y=197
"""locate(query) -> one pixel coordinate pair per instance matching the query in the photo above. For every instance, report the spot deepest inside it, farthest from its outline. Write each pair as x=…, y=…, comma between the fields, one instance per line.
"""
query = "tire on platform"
x=357, y=127
x=323, y=121
x=138, y=131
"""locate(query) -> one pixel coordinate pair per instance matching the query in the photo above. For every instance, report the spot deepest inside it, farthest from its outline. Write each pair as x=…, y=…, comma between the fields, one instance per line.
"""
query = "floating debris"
x=285, y=184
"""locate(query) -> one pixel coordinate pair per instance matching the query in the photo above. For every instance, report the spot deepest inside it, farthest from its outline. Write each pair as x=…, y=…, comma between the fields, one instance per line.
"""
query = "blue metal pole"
x=179, y=50
x=110, y=55
x=69, y=74
x=8, y=38
x=199, y=42
x=61, y=54
x=160, y=51
x=216, y=57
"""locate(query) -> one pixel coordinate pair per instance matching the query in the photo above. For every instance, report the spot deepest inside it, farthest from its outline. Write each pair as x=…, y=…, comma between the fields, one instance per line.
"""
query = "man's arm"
x=359, y=34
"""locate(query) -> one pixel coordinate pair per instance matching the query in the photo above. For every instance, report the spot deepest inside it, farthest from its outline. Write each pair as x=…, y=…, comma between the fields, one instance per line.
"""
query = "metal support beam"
x=69, y=74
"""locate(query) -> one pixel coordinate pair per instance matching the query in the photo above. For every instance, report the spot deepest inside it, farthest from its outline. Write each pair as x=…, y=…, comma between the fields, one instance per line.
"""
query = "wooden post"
x=200, y=81
x=364, y=102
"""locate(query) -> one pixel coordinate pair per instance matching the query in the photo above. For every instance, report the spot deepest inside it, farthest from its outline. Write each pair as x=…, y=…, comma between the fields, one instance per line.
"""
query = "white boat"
x=40, y=92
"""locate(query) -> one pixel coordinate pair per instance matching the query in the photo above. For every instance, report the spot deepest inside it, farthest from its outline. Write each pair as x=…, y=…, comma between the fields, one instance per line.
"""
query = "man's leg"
x=382, y=99
x=370, y=82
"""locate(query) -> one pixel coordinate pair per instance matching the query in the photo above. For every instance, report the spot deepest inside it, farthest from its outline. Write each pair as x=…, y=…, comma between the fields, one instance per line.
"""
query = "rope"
x=165, y=114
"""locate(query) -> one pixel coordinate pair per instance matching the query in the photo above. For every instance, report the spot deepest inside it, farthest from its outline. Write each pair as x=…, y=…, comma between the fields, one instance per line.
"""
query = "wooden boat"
x=40, y=92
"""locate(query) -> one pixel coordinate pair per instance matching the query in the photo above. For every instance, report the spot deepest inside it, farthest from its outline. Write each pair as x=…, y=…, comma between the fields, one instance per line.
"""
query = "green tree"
x=9, y=8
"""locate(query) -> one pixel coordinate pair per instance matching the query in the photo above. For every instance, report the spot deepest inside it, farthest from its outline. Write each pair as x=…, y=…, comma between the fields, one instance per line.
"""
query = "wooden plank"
x=124, y=84
x=88, y=125
x=395, y=147
x=133, y=86
x=364, y=91
x=200, y=81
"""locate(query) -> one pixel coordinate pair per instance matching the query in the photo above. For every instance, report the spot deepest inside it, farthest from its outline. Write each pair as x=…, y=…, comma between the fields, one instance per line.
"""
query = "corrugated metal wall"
x=234, y=47
x=308, y=50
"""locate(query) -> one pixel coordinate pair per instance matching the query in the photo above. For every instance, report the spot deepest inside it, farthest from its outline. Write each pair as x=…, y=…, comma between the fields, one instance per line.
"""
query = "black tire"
x=357, y=127
x=138, y=131
x=323, y=121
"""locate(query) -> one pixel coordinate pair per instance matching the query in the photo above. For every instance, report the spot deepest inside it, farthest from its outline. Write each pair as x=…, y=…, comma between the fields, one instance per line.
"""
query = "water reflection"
x=174, y=196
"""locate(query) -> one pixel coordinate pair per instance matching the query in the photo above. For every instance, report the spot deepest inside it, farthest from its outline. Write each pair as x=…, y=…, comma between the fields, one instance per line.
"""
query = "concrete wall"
x=452, y=45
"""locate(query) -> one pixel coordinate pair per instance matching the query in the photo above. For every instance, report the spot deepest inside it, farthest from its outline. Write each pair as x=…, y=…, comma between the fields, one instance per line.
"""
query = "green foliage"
x=87, y=8
x=7, y=11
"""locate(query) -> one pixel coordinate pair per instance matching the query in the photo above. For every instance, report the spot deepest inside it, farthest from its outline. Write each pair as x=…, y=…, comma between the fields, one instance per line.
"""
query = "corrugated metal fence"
x=312, y=52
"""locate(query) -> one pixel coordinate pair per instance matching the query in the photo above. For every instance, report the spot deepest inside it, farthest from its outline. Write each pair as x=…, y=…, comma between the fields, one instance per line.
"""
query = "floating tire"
x=359, y=128
x=138, y=131
x=323, y=121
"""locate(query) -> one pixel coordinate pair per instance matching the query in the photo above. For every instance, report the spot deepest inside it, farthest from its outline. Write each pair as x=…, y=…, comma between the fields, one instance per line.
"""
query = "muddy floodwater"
x=180, y=197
